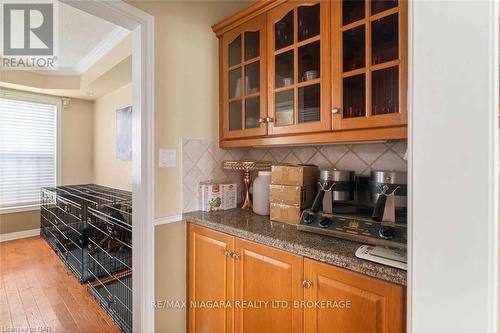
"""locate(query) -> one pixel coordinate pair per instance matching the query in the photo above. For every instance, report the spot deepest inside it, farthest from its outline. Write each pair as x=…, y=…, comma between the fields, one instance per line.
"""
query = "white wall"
x=77, y=142
x=186, y=86
x=453, y=150
x=108, y=169
x=186, y=83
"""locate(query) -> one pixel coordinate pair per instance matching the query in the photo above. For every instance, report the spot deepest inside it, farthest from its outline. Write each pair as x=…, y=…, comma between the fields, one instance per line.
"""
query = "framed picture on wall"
x=124, y=133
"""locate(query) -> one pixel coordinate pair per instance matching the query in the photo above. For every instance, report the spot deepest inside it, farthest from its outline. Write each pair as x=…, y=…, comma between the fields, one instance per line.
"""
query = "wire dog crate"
x=114, y=293
x=65, y=216
x=90, y=228
x=110, y=260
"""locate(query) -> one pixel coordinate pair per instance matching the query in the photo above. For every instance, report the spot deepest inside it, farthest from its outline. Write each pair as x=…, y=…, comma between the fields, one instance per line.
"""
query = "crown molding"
x=104, y=46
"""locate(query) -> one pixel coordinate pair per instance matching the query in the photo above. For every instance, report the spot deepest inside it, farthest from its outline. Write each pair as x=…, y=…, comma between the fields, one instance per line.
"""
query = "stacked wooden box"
x=292, y=189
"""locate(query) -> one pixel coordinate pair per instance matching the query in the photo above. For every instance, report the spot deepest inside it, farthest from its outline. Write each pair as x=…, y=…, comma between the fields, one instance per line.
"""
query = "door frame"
x=141, y=24
x=453, y=144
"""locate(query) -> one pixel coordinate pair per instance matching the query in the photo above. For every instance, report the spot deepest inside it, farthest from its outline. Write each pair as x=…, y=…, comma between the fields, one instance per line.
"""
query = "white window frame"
x=44, y=99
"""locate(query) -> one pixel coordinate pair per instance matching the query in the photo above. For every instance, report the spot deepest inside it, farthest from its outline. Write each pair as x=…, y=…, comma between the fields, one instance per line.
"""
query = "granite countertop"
x=259, y=229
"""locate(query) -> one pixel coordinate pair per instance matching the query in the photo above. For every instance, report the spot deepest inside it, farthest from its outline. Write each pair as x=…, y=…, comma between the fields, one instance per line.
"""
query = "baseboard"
x=19, y=235
x=168, y=219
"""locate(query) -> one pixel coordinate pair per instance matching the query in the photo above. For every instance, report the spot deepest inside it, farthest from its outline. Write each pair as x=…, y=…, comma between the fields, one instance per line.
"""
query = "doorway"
x=141, y=25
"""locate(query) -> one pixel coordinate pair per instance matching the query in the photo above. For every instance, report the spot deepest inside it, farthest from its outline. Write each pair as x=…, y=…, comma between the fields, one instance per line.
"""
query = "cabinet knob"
x=306, y=284
x=227, y=253
x=262, y=120
x=235, y=256
x=269, y=119
x=335, y=110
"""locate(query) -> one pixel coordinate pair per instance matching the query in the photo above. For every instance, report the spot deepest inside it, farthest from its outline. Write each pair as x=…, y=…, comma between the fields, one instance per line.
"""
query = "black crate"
x=110, y=239
x=115, y=296
x=65, y=220
x=110, y=260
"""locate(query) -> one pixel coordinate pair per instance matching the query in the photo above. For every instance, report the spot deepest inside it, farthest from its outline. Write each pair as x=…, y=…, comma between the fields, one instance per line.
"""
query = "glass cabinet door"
x=369, y=81
x=298, y=71
x=243, y=74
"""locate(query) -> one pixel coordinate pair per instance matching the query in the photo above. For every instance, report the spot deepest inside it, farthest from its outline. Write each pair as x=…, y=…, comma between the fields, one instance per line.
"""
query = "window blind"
x=27, y=151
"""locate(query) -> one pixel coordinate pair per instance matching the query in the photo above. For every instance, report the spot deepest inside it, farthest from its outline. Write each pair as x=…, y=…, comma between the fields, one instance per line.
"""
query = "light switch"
x=168, y=158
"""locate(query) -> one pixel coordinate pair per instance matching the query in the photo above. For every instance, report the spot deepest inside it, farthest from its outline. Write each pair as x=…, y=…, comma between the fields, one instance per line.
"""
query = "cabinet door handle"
x=335, y=110
x=269, y=120
x=235, y=256
x=228, y=254
x=262, y=120
x=306, y=284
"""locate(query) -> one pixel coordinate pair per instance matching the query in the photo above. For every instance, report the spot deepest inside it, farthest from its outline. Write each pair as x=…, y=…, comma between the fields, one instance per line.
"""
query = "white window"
x=28, y=150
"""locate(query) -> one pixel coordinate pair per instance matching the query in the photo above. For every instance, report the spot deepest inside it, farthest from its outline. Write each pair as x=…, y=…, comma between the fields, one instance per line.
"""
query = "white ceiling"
x=95, y=58
x=83, y=39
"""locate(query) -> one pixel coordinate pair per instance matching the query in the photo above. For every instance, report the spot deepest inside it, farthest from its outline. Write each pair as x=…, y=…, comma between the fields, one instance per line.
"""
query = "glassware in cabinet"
x=299, y=70
x=243, y=71
x=369, y=82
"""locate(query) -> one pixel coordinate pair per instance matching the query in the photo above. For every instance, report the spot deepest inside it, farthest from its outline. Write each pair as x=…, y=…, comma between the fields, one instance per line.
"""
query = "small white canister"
x=261, y=193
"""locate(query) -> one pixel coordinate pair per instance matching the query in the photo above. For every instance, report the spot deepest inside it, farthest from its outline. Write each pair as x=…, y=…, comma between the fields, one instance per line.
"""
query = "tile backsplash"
x=202, y=160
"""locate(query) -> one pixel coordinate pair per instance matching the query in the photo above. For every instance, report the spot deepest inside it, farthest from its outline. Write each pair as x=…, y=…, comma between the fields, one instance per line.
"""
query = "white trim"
x=493, y=227
x=409, y=152
x=59, y=151
x=168, y=219
x=453, y=167
x=19, y=209
x=143, y=173
x=142, y=26
x=29, y=96
x=101, y=49
x=19, y=235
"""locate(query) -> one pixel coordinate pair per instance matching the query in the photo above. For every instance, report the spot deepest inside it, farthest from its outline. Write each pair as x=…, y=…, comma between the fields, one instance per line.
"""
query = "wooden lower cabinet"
x=268, y=275
x=375, y=306
x=319, y=297
x=210, y=278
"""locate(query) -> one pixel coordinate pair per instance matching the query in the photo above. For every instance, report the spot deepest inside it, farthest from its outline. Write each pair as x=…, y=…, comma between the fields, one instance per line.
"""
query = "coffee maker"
x=369, y=209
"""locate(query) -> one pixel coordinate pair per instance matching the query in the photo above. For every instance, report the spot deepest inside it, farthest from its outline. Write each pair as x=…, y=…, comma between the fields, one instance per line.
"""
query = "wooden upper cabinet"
x=298, y=67
x=369, y=78
x=210, y=278
x=375, y=306
x=244, y=88
x=269, y=275
x=309, y=72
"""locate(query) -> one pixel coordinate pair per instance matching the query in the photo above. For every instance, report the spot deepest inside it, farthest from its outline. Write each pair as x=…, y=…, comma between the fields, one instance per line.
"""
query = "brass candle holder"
x=246, y=167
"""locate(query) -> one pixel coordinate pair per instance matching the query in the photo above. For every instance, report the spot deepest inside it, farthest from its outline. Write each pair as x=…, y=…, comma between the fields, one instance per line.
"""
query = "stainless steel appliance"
x=352, y=217
x=393, y=181
x=355, y=223
x=341, y=182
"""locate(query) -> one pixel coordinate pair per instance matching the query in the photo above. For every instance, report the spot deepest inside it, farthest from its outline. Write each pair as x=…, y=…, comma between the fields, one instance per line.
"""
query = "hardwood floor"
x=37, y=291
